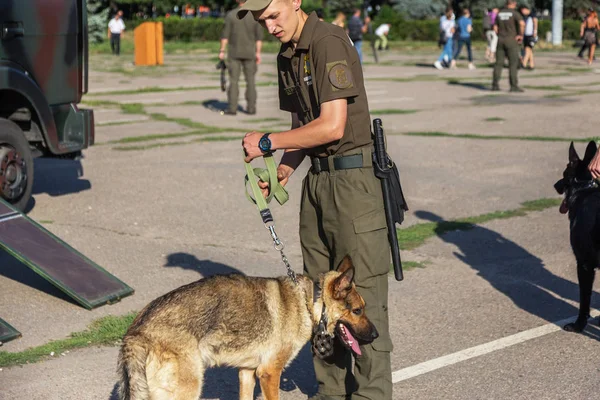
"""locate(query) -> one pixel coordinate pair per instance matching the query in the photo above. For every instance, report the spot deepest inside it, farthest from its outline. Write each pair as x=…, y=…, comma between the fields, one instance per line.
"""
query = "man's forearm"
x=313, y=134
x=521, y=28
x=258, y=46
x=223, y=45
x=291, y=159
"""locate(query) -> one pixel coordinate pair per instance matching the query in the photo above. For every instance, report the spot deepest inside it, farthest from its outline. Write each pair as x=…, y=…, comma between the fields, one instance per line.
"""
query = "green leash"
x=277, y=191
x=269, y=175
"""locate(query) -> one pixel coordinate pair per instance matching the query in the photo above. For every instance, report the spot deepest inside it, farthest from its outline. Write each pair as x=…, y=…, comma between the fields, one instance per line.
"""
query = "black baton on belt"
x=393, y=198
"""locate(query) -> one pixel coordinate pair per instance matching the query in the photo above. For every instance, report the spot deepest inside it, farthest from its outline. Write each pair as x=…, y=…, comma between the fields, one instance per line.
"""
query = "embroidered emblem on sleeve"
x=340, y=75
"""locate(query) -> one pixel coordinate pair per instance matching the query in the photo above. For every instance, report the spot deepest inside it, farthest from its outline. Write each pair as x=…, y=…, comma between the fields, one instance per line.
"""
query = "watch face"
x=264, y=144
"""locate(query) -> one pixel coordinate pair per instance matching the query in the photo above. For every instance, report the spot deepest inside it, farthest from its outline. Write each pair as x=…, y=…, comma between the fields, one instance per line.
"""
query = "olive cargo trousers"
x=235, y=67
x=342, y=213
x=510, y=50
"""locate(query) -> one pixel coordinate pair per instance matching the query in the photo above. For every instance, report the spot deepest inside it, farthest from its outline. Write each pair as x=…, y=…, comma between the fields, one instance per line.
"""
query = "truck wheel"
x=16, y=165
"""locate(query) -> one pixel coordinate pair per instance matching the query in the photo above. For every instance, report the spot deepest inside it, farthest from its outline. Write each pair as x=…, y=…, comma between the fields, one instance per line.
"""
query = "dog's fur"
x=583, y=207
x=255, y=324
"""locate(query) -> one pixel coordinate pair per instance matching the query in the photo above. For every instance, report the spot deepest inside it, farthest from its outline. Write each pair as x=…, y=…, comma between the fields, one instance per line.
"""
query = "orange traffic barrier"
x=148, y=41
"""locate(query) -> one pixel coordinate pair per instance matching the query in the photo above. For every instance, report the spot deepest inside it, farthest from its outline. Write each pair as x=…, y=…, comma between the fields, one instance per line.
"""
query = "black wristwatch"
x=264, y=144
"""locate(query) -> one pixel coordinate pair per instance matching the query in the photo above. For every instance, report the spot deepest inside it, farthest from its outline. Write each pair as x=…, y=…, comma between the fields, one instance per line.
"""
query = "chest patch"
x=340, y=76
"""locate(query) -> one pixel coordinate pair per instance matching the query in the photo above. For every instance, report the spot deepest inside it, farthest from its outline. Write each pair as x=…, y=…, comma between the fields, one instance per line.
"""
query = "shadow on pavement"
x=512, y=270
x=473, y=85
x=58, y=177
x=217, y=105
x=206, y=268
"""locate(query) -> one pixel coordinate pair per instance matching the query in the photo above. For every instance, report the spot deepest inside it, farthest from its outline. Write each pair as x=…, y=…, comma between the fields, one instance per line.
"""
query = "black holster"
x=393, y=197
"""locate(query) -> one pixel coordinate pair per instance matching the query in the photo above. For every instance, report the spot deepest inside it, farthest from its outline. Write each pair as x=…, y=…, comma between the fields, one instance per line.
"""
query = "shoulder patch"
x=340, y=75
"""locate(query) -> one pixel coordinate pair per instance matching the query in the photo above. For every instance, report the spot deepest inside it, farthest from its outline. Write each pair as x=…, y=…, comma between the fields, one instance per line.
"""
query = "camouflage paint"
x=43, y=55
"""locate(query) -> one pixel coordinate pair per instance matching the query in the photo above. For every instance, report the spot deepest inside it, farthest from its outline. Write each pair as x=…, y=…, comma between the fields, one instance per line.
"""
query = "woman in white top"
x=529, y=37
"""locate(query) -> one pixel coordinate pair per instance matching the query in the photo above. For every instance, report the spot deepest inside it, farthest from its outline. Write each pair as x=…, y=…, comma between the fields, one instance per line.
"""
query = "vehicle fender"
x=13, y=77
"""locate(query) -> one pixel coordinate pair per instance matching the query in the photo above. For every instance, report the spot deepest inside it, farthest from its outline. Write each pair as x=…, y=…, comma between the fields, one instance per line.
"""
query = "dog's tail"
x=132, y=370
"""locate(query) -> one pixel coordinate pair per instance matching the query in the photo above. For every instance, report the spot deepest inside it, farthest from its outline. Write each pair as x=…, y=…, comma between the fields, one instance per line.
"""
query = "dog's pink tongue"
x=354, y=345
x=563, y=207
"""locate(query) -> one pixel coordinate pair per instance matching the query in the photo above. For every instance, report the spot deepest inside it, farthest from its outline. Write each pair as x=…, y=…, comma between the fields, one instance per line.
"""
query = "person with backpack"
x=356, y=28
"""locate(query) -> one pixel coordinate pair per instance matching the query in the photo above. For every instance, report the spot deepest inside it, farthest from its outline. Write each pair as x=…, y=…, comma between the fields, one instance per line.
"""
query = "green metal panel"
x=7, y=332
x=53, y=259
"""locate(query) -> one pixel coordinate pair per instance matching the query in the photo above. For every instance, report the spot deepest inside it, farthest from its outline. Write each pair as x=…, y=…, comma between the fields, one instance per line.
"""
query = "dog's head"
x=345, y=308
x=576, y=171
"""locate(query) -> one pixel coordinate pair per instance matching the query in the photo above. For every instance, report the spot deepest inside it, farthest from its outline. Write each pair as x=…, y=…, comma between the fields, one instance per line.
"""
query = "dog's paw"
x=576, y=327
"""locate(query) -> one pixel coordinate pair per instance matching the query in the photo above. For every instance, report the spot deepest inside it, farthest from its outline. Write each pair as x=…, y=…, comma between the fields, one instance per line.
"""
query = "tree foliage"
x=97, y=20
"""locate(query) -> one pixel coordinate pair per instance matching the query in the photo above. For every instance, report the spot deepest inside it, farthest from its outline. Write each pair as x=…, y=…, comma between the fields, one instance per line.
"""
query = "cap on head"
x=252, y=5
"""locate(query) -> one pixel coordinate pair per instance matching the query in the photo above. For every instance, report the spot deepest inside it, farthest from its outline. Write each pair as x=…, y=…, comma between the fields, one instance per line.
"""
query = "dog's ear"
x=573, y=156
x=590, y=152
x=343, y=284
x=345, y=264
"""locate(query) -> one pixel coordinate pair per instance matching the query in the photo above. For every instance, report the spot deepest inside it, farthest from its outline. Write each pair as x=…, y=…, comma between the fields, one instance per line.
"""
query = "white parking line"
x=454, y=358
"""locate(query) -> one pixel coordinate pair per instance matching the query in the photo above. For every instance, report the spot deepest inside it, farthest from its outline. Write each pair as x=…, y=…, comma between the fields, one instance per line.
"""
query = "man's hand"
x=250, y=145
x=594, y=166
x=519, y=38
x=283, y=175
x=257, y=58
x=222, y=55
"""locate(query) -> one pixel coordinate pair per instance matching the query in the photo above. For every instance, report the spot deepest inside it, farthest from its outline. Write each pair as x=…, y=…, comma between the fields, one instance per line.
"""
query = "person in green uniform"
x=509, y=26
x=244, y=39
x=342, y=211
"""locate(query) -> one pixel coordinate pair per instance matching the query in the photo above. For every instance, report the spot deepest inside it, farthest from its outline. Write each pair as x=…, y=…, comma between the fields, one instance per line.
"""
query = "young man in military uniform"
x=509, y=26
x=244, y=39
x=342, y=211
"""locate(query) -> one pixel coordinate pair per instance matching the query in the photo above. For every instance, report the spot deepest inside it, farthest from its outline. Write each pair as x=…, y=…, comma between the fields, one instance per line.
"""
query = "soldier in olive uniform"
x=244, y=38
x=342, y=211
x=509, y=26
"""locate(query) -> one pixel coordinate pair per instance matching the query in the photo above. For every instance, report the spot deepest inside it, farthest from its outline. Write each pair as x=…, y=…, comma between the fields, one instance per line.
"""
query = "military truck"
x=43, y=74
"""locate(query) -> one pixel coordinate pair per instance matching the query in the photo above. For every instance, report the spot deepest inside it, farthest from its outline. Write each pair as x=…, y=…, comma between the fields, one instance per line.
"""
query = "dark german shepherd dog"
x=582, y=202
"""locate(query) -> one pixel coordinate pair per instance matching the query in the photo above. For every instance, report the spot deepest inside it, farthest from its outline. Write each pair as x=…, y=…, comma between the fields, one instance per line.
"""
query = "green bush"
x=209, y=29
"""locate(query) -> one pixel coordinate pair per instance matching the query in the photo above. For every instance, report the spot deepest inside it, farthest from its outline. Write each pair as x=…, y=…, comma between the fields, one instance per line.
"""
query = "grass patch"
x=544, y=87
x=494, y=119
x=416, y=78
x=570, y=93
x=152, y=89
x=416, y=235
x=499, y=137
x=46, y=221
x=389, y=111
x=117, y=123
x=148, y=146
x=219, y=139
x=99, y=103
x=261, y=120
x=158, y=136
x=133, y=108
x=408, y=265
x=104, y=331
x=579, y=69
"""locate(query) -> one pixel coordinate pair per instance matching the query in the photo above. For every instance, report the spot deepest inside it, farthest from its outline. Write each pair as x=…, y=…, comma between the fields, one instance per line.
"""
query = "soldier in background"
x=116, y=29
x=510, y=27
x=244, y=38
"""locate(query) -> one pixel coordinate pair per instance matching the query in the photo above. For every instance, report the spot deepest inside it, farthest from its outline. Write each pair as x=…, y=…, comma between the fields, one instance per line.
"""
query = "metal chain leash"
x=279, y=246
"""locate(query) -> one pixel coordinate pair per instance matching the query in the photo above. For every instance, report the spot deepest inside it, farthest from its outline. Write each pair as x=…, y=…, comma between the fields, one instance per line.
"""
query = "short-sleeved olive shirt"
x=508, y=25
x=324, y=67
x=242, y=35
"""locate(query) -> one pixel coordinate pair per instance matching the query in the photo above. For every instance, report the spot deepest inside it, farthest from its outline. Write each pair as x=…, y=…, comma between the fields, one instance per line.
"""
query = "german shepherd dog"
x=582, y=202
x=255, y=324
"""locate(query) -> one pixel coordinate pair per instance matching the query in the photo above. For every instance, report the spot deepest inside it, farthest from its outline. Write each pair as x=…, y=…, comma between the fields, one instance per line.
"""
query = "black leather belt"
x=339, y=162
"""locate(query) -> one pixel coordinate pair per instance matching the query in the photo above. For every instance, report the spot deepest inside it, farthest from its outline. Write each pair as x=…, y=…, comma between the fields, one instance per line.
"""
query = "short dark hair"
x=319, y=12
